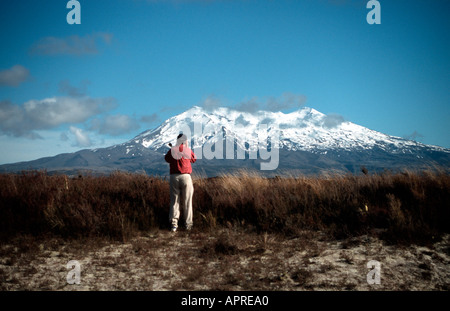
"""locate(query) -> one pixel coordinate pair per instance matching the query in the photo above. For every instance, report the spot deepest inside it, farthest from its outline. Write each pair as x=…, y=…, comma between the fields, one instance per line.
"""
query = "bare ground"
x=222, y=259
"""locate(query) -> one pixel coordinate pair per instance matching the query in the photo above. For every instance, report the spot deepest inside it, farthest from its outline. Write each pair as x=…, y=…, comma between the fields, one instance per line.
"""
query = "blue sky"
x=131, y=64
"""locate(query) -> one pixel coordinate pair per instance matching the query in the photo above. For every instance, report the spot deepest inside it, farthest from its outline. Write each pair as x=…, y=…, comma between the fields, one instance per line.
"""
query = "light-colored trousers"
x=181, y=191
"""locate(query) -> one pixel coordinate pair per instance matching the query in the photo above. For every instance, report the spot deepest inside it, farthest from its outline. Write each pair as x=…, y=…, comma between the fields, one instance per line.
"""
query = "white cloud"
x=63, y=137
x=73, y=45
x=414, y=136
x=81, y=137
x=49, y=113
x=17, y=149
x=115, y=125
x=210, y=103
x=149, y=119
x=14, y=76
x=182, y=1
x=285, y=102
x=251, y=105
x=333, y=120
x=65, y=87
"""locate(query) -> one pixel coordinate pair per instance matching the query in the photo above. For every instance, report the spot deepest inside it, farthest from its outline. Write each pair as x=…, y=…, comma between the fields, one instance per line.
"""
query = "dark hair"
x=181, y=138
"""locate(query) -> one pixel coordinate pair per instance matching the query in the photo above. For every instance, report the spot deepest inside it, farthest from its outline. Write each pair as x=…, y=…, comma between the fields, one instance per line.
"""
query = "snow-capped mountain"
x=304, y=130
x=225, y=140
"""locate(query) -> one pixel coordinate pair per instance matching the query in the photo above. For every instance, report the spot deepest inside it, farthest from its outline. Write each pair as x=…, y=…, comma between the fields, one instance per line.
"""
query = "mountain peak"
x=308, y=141
x=305, y=129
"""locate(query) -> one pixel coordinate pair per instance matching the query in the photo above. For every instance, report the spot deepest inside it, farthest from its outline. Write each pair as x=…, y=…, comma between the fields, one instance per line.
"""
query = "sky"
x=131, y=64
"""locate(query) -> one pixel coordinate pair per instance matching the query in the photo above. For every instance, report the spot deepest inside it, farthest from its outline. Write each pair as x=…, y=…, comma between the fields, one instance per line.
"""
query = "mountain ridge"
x=306, y=140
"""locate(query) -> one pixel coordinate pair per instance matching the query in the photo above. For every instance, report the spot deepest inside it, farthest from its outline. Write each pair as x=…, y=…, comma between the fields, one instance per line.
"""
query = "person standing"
x=180, y=158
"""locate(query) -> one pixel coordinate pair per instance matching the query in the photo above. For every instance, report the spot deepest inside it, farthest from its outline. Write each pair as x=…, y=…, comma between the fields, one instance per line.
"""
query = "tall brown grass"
x=406, y=206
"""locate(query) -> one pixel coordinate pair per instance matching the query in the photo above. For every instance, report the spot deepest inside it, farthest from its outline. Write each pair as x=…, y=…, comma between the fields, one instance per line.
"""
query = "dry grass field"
x=251, y=233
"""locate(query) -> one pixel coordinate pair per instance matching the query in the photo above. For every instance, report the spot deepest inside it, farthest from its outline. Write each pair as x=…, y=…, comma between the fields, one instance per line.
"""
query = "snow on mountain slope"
x=303, y=130
x=309, y=142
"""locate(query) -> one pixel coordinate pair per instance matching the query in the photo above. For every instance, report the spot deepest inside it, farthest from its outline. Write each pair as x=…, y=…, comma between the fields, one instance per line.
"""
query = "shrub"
x=407, y=206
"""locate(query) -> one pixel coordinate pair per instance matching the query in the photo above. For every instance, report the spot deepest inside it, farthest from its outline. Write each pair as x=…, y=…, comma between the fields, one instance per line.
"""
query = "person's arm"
x=193, y=157
x=168, y=156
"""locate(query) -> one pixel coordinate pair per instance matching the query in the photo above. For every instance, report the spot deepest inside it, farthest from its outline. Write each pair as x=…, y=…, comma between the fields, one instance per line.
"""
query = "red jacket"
x=180, y=159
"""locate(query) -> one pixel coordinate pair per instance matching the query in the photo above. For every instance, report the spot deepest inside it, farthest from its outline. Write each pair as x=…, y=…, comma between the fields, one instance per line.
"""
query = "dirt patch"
x=226, y=259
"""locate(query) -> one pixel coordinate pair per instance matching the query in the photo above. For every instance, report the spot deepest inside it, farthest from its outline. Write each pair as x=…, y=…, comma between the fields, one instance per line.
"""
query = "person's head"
x=181, y=139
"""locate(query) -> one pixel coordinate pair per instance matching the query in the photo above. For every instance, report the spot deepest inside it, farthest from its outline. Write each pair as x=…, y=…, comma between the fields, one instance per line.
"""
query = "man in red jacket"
x=180, y=158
